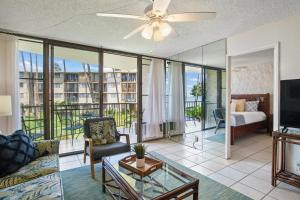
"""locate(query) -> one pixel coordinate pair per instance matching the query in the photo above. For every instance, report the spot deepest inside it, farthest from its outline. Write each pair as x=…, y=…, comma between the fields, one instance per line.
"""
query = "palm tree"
x=196, y=91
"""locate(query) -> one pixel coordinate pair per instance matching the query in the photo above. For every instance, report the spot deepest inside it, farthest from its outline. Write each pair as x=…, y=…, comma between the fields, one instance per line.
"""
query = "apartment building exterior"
x=80, y=87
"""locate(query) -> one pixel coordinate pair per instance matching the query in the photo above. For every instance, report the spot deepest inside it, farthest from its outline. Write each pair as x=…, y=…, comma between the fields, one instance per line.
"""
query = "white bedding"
x=247, y=117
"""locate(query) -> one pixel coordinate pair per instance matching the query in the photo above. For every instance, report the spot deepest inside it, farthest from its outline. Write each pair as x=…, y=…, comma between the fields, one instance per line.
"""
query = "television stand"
x=279, y=171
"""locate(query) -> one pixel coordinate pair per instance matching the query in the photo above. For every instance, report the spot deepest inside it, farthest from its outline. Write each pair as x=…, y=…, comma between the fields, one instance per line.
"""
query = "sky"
x=71, y=65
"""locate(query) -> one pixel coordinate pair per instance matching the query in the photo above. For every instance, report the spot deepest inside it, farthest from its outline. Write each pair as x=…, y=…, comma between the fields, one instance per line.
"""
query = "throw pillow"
x=103, y=132
x=233, y=106
x=240, y=104
x=251, y=106
x=16, y=150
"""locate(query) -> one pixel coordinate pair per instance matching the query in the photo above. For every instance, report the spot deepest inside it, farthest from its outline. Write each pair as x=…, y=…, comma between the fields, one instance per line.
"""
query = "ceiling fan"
x=156, y=19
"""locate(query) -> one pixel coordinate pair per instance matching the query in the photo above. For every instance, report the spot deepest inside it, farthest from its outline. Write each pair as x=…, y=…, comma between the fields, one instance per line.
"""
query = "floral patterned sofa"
x=40, y=179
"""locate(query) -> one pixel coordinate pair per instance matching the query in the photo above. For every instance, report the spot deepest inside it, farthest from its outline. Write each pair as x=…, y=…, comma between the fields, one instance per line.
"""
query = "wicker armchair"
x=101, y=138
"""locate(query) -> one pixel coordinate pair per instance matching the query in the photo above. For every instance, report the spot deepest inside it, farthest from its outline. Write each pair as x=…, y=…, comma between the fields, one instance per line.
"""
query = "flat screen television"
x=290, y=103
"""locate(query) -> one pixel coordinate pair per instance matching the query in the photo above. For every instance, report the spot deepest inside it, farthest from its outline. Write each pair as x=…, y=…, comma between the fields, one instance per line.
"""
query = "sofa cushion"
x=109, y=149
x=37, y=168
x=16, y=150
x=45, y=187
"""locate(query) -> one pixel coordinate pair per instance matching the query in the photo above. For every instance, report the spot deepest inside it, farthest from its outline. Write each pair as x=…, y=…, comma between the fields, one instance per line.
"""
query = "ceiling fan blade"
x=135, y=31
x=190, y=16
x=161, y=6
x=120, y=16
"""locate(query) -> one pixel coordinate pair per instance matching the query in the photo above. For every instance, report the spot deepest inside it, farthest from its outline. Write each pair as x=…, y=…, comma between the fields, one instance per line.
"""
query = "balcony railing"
x=68, y=119
x=193, y=110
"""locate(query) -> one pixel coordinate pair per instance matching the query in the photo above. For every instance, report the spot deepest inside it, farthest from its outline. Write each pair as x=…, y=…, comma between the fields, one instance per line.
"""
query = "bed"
x=249, y=122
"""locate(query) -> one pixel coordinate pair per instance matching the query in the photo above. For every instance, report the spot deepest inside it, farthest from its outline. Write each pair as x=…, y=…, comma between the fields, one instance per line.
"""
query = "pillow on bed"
x=251, y=106
x=240, y=104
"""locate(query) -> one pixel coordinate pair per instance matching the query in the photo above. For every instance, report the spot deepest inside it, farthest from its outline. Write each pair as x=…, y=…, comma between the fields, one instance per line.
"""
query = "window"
x=22, y=95
x=58, y=95
x=22, y=75
x=82, y=95
x=113, y=95
x=82, y=85
x=57, y=85
x=111, y=85
x=57, y=75
x=21, y=85
x=40, y=75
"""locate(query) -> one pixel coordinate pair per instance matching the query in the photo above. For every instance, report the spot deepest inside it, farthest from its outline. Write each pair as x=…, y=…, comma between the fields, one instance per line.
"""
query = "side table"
x=279, y=171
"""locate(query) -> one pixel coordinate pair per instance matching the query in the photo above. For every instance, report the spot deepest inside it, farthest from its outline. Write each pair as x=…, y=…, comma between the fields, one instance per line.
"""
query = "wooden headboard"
x=264, y=100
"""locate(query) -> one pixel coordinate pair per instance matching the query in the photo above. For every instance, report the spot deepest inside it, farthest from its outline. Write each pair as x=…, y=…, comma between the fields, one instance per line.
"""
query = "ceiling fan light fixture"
x=165, y=29
x=147, y=32
x=157, y=36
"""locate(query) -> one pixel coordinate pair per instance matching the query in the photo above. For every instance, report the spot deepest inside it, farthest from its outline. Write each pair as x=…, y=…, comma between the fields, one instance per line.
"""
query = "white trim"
x=276, y=89
x=228, y=110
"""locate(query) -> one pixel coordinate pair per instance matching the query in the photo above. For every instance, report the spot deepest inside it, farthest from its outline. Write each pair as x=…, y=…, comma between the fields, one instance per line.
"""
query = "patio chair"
x=69, y=123
x=101, y=138
x=219, y=118
x=35, y=132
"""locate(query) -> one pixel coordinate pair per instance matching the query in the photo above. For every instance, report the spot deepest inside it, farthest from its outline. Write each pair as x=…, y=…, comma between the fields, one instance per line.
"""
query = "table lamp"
x=5, y=106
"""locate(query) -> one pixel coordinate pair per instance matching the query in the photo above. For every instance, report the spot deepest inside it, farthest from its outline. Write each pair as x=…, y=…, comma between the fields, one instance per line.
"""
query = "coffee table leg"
x=103, y=178
x=142, y=185
x=195, y=195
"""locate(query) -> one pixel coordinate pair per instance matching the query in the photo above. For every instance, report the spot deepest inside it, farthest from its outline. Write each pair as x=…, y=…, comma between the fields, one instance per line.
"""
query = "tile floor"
x=248, y=171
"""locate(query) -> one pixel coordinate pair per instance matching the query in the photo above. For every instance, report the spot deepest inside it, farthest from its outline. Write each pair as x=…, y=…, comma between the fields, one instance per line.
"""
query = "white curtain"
x=9, y=81
x=176, y=100
x=155, y=107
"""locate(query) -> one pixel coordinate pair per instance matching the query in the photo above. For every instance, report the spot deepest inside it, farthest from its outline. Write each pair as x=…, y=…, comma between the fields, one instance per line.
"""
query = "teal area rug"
x=78, y=184
x=220, y=138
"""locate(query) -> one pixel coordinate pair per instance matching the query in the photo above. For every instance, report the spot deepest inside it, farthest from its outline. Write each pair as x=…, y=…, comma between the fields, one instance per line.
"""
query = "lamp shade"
x=5, y=106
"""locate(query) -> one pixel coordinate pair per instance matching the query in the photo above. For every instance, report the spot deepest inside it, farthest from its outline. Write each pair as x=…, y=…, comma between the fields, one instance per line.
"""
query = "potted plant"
x=140, y=150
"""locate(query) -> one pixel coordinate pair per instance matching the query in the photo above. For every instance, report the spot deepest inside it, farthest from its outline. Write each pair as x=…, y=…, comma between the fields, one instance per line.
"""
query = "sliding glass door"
x=31, y=88
x=120, y=92
x=74, y=94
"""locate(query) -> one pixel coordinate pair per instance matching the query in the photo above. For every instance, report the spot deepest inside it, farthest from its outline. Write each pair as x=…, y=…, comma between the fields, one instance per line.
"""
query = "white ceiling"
x=75, y=21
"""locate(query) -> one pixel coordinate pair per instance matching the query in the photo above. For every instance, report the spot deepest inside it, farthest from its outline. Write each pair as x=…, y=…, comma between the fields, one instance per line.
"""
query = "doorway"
x=240, y=63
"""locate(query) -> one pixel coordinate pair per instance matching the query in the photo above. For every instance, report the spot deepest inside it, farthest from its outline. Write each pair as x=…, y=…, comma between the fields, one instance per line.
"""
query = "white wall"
x=287, y=32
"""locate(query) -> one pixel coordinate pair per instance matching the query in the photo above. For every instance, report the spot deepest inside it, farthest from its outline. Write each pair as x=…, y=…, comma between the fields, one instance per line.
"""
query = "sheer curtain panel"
x=176, y=100
x=9, y=81
x=154, y=114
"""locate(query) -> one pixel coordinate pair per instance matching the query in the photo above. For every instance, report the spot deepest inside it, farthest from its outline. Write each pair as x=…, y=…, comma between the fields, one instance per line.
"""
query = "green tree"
x=196, y=90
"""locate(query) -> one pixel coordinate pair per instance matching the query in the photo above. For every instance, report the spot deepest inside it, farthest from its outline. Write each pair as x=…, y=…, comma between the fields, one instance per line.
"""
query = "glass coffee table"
x=165, y=183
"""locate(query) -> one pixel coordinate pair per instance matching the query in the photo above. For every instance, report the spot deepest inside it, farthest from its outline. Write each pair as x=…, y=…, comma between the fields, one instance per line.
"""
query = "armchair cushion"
x=102, y=131
x=109, y=149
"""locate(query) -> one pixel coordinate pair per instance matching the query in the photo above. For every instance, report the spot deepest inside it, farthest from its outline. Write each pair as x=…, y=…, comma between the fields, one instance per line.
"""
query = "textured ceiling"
x=75, y=21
